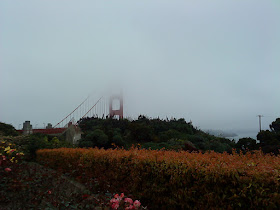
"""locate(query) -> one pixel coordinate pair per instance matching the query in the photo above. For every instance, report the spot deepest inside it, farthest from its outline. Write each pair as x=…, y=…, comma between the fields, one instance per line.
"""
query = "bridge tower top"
x=116, y=112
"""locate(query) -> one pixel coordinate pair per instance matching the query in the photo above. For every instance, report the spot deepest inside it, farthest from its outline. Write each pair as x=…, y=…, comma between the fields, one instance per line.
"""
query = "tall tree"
x=275, y=126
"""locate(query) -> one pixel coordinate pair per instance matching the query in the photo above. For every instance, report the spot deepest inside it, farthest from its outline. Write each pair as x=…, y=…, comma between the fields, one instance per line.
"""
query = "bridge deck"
x=46, y=131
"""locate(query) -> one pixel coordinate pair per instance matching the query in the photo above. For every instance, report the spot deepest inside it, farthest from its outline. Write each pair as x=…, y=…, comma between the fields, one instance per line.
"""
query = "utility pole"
x=260, y=121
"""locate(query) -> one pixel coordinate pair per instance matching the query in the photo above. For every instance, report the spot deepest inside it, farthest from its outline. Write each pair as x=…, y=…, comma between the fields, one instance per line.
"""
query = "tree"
x=270, y=140
x=246, y=143
x=275, y=126
x=162, y=133
x=96, y=138
x=117, y=139
x=170, y=134
x=7, y=130
x=141, y=132
x=267, y=138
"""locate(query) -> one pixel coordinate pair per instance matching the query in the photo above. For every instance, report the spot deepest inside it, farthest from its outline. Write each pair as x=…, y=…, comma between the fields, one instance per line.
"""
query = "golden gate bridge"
x=103, y=107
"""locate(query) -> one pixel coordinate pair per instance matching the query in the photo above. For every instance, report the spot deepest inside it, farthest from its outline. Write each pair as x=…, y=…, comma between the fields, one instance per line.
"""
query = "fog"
x=215, y=63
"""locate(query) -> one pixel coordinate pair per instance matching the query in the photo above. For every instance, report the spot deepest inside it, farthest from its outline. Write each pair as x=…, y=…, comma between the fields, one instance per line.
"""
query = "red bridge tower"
x=116, y=112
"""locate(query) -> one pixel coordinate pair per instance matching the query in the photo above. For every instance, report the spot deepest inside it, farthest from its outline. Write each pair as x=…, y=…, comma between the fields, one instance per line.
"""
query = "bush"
x=7, y=130
x=31, y=143
x=10, y=158
x=177, y=180
x=96, y=138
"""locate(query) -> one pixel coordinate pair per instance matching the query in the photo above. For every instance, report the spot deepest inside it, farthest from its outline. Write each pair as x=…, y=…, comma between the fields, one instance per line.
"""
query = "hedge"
x=176, y=180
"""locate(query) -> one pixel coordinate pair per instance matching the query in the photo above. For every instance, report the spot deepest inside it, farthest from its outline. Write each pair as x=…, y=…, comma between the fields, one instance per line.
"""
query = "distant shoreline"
x=233, y=135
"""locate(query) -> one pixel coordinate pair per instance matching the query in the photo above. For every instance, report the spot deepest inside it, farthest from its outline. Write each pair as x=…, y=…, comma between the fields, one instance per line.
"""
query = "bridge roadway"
x=46, y=131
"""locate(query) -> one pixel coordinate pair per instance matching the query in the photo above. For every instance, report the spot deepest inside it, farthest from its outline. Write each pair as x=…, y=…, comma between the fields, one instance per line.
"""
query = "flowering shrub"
x=9, y=156
x=119, y=202
x=176, y=179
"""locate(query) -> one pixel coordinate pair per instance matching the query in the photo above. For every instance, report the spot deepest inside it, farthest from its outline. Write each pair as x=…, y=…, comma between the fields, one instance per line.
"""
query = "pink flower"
x=115, y=205
x=114, y=200
x=128, y=200
x=130, y=207
x=117, y=197
x=49, y=192
x=137, y=203
x=8, y=169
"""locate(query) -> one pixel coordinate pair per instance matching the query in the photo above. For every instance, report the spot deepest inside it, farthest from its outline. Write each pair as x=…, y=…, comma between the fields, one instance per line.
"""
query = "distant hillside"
x=149, y=133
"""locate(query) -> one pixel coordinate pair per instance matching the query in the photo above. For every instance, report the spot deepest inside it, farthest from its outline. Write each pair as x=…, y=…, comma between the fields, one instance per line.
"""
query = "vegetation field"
x=175, y=180
x=173, y=165
x=169, y=134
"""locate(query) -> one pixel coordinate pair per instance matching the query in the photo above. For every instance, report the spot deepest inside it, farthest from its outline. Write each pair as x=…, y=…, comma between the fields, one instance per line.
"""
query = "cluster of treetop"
x=174, y=134
x=144, y=132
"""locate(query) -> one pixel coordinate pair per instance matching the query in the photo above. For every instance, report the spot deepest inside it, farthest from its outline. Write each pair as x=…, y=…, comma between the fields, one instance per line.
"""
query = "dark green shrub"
x=7, y=130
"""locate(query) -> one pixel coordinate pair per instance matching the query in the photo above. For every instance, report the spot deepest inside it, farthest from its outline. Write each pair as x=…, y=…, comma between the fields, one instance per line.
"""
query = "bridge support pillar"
x=116, y=112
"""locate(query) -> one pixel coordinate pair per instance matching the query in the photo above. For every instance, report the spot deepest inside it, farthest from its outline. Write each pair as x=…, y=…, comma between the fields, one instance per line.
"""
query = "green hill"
x=154, y=133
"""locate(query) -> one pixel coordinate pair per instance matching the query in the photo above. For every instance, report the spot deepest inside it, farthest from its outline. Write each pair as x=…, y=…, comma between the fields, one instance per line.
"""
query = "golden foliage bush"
x=169, y=179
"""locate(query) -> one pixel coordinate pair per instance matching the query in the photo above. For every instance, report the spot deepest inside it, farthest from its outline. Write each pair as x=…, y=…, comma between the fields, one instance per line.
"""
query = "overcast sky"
x=214, y=62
